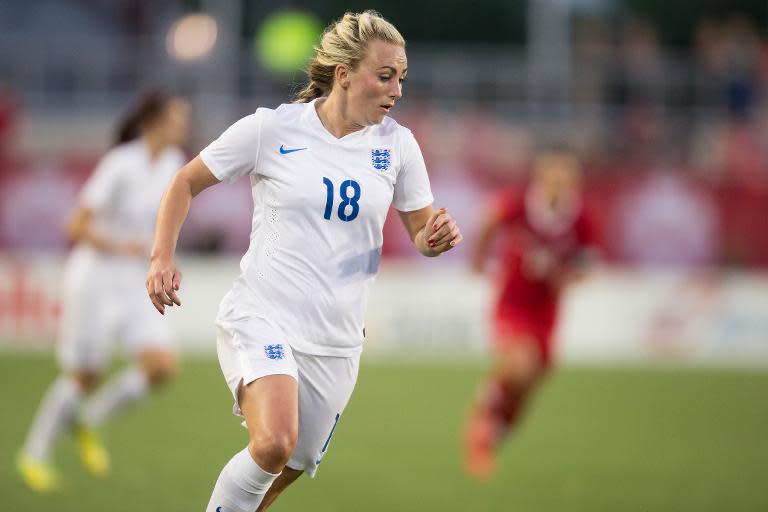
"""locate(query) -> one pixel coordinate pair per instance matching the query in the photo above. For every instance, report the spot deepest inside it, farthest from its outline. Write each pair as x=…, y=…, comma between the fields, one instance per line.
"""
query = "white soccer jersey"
x=319, y=209
x=124, y=193
x=125, y=189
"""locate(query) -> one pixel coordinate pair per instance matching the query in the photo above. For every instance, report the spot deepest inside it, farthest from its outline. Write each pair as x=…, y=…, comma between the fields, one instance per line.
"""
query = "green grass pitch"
x=594, y=440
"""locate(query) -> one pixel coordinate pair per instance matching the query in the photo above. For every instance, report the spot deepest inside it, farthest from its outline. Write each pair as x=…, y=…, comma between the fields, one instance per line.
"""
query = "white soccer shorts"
x=98, y=307
x=251, y=350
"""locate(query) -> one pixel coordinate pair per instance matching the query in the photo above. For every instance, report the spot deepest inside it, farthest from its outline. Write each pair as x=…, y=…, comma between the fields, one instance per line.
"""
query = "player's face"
x=377, y=83
x=559, y=177
x=174, y=124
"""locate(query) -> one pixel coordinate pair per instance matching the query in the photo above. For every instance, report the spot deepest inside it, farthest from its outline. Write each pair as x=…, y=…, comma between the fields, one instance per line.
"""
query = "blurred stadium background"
x=659, y=401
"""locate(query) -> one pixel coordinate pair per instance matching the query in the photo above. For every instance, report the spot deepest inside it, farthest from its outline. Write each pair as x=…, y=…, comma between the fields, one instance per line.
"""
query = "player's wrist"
x=100, y=242
x=163, y=254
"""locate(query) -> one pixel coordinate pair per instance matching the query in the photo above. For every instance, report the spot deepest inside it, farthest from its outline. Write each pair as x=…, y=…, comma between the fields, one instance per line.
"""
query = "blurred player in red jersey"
x=549, y=241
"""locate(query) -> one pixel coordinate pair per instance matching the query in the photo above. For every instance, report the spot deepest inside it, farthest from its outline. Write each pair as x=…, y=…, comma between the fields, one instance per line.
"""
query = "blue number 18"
x=346, y=199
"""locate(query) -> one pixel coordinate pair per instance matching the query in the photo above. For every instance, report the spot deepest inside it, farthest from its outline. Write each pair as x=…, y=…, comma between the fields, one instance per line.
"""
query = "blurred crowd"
x=674, y=144
x=704, y=109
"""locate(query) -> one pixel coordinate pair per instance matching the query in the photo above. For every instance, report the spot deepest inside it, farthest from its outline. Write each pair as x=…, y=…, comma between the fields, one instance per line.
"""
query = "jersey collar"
x=317, y=126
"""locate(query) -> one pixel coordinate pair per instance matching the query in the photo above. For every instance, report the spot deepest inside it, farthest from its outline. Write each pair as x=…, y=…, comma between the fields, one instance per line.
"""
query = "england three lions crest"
x=380, y=158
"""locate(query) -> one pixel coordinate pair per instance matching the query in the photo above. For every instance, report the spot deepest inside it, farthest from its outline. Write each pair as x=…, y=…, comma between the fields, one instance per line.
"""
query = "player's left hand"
x=441, y=232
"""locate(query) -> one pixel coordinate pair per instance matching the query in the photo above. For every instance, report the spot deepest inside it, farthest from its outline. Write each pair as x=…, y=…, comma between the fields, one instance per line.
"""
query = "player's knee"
x=87, y=380
x=514, y=382
x=520, y=373
x=528, y=376
x=163, y=373
x=272, y=450
x=159, y=376
x=160, y=368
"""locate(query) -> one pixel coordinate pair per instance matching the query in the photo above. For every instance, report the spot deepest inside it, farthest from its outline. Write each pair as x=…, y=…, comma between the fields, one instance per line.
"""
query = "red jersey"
x=540, y=242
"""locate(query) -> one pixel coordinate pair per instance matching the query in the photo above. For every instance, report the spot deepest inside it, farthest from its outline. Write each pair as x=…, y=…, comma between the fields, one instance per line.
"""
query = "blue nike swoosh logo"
x=284, y=151
x=218, y=509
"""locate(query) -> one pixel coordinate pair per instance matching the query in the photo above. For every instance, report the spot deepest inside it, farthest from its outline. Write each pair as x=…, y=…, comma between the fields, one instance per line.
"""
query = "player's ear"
x=341, y=76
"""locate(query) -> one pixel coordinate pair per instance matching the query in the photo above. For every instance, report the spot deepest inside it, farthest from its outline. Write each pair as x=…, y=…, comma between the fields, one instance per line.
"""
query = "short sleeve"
x=100, y=188
x=412, y=191
x=235, y=152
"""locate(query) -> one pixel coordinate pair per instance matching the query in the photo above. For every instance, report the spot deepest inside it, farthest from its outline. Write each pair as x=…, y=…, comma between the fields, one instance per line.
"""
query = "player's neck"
x=334, y=114
x=154, y=144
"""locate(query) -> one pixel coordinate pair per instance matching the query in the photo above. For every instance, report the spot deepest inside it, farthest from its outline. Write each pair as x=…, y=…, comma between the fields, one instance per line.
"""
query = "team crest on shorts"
x=380, y=159
x=274, y=351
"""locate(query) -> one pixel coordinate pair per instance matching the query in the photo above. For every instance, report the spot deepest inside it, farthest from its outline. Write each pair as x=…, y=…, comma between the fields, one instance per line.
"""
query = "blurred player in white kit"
x=103, y=297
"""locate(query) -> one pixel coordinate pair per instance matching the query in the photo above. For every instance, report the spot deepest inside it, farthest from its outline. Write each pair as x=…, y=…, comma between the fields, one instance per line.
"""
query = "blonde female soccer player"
x=324, y=171
x=112, y=231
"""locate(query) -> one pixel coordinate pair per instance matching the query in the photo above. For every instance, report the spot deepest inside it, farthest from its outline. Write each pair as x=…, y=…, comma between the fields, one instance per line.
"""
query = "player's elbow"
x=76, y=228
x=72, y=233
x=179, y=186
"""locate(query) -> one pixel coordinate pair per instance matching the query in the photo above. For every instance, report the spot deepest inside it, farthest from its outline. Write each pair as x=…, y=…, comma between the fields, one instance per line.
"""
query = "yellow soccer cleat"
x=38, y=475
x=92, y=452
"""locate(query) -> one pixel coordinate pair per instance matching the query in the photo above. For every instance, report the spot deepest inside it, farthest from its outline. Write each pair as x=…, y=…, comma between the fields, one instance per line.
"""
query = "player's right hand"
x=163, y=281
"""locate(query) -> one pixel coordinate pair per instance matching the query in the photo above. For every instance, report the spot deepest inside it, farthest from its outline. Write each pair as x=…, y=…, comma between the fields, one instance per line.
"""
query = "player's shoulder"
x=508, y=201
x=288, y=111
x=125, y=150
x=256, y=117
x=249, y=128
x=174, y=157
x=510, y=195
x=121, y=155
x=284, y=116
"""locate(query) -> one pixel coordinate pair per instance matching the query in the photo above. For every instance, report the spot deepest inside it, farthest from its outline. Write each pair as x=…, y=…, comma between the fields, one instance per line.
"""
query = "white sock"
x=122, y=390
x=241, y=485
x=55, y=413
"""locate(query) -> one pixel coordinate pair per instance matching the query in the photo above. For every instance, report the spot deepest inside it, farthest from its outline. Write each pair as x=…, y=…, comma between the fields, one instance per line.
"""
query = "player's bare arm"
x=164, y=279
x=579, y=269
x=488, y=228
x=80, y=229
x=433, y=232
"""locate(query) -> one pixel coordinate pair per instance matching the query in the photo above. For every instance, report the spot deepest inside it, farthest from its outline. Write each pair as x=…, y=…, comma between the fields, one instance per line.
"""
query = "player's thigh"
x=270, y=406
x=158, y=359
x=325, y=387
x=519, y=362
x=519, y=350
x=249, y=349
x=262, y=375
